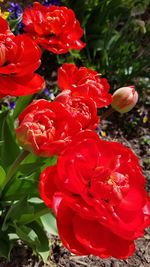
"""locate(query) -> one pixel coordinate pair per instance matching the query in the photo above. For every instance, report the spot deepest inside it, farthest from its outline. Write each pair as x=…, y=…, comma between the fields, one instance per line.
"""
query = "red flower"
x=83, y=109
x=19, y=58
x=97, y=192
x=45, y=128
x=84, y=82
x=54, y=28
x=4, y=28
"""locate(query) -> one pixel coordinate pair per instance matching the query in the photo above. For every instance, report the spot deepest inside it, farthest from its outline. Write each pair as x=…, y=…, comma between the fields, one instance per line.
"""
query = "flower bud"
x=124, y=99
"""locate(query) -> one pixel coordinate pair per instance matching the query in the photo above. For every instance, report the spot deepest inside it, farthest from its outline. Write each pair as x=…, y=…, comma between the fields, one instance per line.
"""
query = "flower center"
x=81, y=108
x=109, y=187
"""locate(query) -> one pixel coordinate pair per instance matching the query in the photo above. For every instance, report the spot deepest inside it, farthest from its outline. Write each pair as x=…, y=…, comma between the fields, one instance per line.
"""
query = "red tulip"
x=97, y=193
x=54, y=28
x=45, y=128
x=19, y=58
x=84, y=82
x=4, y=28
x=82, y=109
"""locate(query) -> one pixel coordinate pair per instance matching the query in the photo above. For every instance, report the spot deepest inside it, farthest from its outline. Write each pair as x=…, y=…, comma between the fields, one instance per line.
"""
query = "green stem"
x=107, y=113
x=35, y=216
x=16, y=164
x=14, y=167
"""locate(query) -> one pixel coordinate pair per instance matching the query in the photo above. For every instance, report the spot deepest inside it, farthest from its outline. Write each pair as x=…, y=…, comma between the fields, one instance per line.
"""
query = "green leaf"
x=7, y=241
x=2, y=177
x=24, y=211
x=75, y=54
x=49, y=162
x=3, y=116
x=35, y=236
x=15, y=212
x=22, y=102
x=42, y=246
x=9, y=150
x=26, y=234
x=39, y=209
x=29, y=168
x=14, y=22
x=22, y=186
x=112, y=40
x=49, y=223
x=4, y=245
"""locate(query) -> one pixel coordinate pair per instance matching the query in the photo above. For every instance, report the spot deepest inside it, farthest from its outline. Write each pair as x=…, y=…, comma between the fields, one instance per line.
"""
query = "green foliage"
x=22, y=102
x=2, y=177
x=13, y=23
x=116, y=36
x=23, y=215
x=4, y=245
x=7, y=135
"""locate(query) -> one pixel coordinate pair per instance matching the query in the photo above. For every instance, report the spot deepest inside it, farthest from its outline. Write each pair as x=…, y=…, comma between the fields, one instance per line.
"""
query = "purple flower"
x=15, y=10
x=12, y=105
x=51, y=2
x=49, y=94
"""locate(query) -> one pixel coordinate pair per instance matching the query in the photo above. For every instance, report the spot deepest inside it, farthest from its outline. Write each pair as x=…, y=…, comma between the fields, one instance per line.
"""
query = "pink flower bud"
x=124, y=99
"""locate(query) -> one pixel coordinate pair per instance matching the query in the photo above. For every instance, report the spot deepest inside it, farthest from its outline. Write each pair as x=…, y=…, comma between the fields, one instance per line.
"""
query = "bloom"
x=45, y=128
x=19, y=58
x=4, y=28
x=54, y=28
x=84, y=82
x=15, y=12
x=97, y=193
x=124, y=99
x=82, y=109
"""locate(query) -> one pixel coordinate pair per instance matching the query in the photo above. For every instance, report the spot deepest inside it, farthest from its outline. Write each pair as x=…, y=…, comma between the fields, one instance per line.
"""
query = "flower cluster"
x=57, y=30
x=45, y=128
x=96, y=189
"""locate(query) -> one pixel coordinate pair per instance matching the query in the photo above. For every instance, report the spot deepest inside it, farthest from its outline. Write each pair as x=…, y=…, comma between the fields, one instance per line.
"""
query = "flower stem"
x=107, y=113
x=14, y=167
